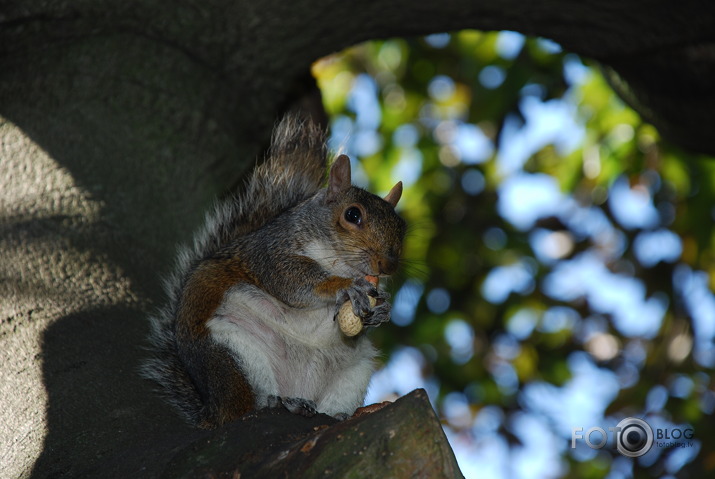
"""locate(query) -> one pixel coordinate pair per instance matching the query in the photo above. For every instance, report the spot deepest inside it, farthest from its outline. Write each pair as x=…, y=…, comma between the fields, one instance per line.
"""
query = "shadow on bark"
x=97, y=404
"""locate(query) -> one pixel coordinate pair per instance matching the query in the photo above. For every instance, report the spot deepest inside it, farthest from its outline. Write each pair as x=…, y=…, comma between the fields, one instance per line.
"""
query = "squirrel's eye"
x=353, y=215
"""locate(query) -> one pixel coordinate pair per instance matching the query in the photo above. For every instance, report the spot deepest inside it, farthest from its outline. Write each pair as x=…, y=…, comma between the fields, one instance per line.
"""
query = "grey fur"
x=277, y=337
x=294, y=170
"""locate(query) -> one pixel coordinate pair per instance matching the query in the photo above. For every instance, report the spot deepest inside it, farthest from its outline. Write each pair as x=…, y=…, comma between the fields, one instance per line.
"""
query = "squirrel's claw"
x=358, y=294
x=380, y=314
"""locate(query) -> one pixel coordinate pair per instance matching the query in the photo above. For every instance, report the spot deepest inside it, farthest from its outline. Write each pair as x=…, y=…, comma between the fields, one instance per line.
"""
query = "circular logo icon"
x=634, y=438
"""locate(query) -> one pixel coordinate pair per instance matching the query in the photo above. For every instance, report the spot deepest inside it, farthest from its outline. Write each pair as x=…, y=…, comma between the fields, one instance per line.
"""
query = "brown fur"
x=330, y=287
x=205, y=291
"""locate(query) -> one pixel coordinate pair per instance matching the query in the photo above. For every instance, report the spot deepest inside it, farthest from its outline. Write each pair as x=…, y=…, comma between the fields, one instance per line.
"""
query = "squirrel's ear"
x=339, y=180
x=395, y=194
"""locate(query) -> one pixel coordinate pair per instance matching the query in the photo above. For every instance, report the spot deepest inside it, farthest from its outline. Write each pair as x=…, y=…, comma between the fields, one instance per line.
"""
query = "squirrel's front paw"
x=380, y=314
x=368, y=303
x=358, y=294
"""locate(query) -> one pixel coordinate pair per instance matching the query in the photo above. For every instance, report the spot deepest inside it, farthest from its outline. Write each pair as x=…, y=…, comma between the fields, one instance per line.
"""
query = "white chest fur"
x=293, y=352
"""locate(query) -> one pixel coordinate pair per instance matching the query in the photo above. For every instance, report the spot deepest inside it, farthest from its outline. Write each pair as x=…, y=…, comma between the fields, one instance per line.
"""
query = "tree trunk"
x=122, y=120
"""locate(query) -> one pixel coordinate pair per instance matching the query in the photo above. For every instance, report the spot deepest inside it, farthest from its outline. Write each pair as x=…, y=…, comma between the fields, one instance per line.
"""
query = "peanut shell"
x=350, y=324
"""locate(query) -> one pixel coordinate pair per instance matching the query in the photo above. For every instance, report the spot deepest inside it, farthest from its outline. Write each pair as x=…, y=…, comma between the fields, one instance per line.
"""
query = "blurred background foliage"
x=561, y=256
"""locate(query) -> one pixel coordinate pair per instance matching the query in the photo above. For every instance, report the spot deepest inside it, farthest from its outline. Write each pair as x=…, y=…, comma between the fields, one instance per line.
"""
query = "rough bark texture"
x=402, y=440
x=120, y=121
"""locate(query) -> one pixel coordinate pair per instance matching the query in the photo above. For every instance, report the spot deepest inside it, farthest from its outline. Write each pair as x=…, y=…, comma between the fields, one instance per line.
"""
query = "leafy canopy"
x=560, y=264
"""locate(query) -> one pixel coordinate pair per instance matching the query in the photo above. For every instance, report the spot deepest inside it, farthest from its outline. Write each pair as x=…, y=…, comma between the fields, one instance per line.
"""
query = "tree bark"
x=400, y=440
x=122, y=120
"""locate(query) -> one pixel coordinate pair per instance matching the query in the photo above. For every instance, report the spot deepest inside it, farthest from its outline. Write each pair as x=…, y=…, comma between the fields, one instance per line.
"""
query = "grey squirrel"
x=250, y=318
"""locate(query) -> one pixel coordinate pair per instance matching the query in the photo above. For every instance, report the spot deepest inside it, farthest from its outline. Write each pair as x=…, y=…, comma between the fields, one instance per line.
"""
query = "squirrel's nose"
x=388, y=264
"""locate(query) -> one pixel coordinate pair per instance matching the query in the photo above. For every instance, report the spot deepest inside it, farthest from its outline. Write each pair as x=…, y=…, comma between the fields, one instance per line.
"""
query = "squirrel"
x=250, y=319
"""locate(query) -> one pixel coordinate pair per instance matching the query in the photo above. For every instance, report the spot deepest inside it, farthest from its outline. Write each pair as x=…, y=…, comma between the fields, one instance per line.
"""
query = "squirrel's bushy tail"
x=294, y=170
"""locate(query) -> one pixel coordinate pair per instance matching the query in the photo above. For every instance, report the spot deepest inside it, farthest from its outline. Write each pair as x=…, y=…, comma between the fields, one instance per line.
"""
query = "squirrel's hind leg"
x=226, y=391
x=300, y=406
